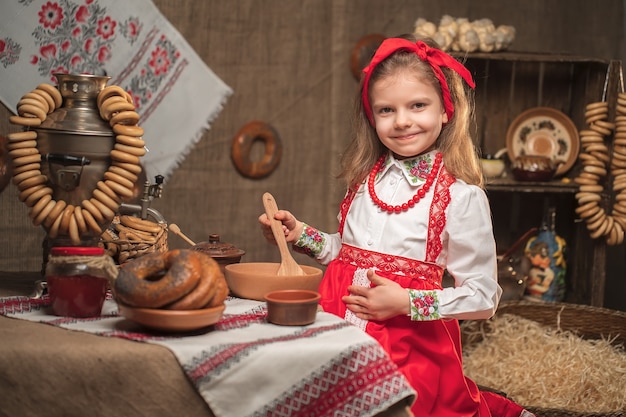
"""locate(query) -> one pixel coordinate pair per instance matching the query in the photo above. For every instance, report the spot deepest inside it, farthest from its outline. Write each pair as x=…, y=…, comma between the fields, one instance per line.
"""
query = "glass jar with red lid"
x=77, y=279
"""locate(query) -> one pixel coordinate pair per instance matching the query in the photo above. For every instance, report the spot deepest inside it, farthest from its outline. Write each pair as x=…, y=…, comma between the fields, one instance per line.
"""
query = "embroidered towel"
x=327, y=368
x=176, y=94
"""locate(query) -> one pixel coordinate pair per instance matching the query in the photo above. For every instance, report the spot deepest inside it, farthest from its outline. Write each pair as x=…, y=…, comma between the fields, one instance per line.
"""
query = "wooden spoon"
x=176, y=230
x=288, y=266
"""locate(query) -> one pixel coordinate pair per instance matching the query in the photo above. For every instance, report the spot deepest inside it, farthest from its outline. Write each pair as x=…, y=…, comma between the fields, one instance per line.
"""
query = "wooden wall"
x=288, y=64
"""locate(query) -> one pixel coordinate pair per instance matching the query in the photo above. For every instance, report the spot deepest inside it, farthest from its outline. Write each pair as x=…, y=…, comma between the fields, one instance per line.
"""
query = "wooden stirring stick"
x=288, y=266
x=176, y=230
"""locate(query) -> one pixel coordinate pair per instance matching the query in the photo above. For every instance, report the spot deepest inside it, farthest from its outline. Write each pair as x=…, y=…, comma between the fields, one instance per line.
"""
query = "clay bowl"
x=292, y=307
x=253, y=280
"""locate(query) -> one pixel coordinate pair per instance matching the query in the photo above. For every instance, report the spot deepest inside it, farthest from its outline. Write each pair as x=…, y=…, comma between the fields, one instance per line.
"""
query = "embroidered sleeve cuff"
x=424, y=305
x=311, y=241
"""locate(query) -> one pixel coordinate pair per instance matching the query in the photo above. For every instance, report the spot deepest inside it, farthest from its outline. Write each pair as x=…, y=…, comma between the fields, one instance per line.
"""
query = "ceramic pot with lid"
x=534, y=168
x=223, y=253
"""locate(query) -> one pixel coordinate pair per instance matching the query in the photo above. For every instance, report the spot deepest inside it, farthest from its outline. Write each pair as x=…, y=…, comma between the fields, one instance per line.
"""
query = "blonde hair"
x=455, y=141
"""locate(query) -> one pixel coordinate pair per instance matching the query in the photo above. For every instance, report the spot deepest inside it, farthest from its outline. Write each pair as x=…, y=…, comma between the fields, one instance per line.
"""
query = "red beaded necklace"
x=421, y=192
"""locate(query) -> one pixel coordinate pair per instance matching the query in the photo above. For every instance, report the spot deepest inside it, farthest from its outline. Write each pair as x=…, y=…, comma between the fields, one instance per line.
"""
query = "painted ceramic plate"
x=547, y=132
x=172, y=320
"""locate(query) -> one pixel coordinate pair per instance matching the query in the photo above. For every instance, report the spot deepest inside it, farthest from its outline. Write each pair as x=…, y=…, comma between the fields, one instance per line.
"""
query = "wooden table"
x=50, y=370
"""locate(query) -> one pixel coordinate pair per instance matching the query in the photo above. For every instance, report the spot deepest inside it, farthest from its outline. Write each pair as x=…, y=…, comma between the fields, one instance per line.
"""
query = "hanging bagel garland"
x=116, y=107
x=598, y=162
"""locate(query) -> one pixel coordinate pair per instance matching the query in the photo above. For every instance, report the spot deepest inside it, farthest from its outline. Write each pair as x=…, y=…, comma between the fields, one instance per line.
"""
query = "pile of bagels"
x=130, y=237
x=601, y=165
x=179, y=279
x=57, y=216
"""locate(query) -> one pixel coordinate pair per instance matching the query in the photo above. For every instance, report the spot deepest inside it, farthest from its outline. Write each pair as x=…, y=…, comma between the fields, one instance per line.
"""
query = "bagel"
x=34, y=166
x=140, y=224
x=158, y=279
x=19, y=136
x=33, y=98
x=58, y=208
x=80, y=220
x=22, y=144
x=130, y=141
x=53, y=92
x=242, y=146
x=108, y=92
x=206, y=289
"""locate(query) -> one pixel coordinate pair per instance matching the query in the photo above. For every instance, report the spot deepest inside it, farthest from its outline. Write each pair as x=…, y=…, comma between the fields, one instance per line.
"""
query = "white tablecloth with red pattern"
x=327, y=368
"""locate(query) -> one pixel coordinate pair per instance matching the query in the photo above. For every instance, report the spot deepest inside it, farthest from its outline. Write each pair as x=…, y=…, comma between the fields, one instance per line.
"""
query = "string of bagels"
x=597, y=162
x=115, y=106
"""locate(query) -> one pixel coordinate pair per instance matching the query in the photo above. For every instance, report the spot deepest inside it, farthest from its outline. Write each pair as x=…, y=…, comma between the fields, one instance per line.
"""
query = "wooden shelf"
x=528, y=57
x=508, y=83
x=555, y=186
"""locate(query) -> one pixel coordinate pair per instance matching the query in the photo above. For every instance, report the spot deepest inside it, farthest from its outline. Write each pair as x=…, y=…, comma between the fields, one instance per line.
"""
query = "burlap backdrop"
x=288, y=63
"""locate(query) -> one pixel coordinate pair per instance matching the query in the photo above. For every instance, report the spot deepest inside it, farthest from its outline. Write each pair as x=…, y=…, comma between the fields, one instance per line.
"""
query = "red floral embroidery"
x=50, y=15
x=48, y=51
x=104, y=54
x=437, y=218
x=75, y=61
x=106, y=27
x=82, y=14
x=159, y=62
x=414, y=269
x=88, y=46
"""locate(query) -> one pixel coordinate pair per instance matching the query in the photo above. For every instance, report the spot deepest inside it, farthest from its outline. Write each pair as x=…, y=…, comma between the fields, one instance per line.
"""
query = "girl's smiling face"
x=408, y=113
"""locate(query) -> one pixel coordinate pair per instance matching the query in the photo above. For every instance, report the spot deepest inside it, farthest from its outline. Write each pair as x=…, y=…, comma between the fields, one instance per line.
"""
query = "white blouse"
x=469, y=250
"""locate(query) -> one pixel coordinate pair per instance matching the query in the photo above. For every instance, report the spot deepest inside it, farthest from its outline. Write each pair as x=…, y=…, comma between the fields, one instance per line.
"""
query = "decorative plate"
x=547, y=132
x=172, y=320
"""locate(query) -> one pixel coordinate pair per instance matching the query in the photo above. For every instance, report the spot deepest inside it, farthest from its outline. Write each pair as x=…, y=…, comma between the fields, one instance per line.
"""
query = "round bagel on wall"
x=58, y=217
x=598, y=163
x=241, y=150
x=363, y=51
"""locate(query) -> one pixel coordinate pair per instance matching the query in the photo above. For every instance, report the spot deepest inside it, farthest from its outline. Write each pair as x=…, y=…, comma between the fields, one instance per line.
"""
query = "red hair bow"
x=436, y=58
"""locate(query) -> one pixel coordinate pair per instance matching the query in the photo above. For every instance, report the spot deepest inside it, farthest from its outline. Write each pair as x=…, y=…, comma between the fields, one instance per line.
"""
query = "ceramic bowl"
x=292, y=307
x=533, y=168
x=253, y=280
x=492, y=168
x=172, y=320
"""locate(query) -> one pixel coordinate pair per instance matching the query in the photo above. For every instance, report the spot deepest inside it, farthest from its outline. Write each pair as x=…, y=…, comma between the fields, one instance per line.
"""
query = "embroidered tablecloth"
x=327, y=368
x=176, y=94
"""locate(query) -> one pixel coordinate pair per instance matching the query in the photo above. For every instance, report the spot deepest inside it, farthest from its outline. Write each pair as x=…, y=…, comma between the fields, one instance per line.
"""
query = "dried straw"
x=545, y=367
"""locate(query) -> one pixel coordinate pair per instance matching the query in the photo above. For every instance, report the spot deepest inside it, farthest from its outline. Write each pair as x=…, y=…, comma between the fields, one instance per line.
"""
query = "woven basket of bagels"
x=555, y=359
x=129, y=237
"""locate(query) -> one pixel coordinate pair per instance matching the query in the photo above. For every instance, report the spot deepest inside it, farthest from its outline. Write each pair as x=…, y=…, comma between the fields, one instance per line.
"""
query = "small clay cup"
x=292, y=307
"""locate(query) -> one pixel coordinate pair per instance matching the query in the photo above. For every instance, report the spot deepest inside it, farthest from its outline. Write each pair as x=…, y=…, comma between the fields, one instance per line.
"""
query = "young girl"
x=415, y=207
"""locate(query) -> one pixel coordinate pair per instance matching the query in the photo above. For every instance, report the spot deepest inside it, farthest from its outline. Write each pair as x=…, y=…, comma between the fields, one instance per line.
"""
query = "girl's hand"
x=385, y=300
x=292, y=227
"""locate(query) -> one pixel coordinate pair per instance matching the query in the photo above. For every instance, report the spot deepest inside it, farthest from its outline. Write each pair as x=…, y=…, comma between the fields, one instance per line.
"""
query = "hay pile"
x=543, y=367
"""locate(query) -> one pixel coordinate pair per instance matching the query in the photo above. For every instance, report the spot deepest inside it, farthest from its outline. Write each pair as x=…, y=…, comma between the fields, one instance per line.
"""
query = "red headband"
x=436, y=58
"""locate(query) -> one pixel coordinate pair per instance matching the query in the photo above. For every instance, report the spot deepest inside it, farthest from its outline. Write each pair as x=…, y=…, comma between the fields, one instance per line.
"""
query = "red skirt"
x=428, y=353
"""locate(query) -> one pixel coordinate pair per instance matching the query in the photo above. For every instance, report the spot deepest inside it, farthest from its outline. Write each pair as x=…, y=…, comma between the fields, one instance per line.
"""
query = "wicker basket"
x=124, y=250
x=586, y=321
